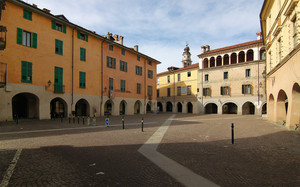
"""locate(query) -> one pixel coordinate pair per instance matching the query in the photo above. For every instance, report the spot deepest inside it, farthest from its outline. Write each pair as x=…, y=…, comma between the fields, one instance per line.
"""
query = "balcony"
x=59, y=88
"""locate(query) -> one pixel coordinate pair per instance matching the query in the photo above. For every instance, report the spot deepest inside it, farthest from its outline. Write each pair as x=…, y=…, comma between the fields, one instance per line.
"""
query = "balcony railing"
x=59, y=88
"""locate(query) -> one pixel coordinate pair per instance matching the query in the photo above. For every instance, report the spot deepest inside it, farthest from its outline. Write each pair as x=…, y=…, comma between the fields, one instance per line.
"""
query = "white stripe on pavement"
x=176, y=170
x=11, y=169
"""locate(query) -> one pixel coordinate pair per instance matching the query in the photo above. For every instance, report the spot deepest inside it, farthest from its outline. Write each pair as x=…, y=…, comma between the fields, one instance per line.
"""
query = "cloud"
x=162, y=27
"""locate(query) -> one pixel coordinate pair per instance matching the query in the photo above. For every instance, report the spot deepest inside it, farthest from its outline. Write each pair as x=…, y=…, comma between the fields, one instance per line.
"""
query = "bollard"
x=232, y=133
x=94, y=121
x=89, y=121
x=107, y=121
x=123, y=122
x=142, y=124
x=83, y=120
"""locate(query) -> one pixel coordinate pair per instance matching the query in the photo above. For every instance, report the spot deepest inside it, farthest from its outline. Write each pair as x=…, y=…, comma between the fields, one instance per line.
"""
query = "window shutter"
x=203, y=90
x=53, y=25
x=64, y=28
x=78, y=34
x=23, y=71
x=209, y=94
x=29, y=72
x=251, y=89
x=34, y=40
x=30, y=16
x=61, y=47
x=107, y=59
x=221, y=90
x=126, y=66
x=114, y=65
x=243, y=89
x=84, y=83
x=19, y=36
x=86, y=38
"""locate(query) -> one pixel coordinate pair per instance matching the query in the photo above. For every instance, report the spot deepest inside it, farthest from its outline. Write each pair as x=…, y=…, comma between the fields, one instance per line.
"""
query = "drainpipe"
x=72, y=70
x=145, y=105
x=101, y=86
x=257, y=83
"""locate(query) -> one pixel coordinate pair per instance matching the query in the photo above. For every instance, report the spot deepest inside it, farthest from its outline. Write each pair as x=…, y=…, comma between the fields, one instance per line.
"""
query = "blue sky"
x=161, y=28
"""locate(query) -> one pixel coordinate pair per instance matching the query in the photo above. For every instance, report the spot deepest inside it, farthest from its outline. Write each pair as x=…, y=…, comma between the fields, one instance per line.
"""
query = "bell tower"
x=186, y=60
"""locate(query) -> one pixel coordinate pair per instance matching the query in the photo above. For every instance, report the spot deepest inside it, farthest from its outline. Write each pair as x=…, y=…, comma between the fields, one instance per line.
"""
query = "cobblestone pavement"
x=67, y=154
x=263, y=154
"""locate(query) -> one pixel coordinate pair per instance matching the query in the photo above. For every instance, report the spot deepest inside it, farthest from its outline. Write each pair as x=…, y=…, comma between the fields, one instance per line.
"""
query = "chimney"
x=207, y=48
x=46, y=10
x=34, y=5
x=136, y=48
x=203, y=49
x=258, y=34
x=121, y=40
x=116, y=37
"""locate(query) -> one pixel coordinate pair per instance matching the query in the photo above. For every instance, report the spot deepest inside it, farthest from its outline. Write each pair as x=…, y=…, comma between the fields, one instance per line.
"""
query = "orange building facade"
x=51, y=67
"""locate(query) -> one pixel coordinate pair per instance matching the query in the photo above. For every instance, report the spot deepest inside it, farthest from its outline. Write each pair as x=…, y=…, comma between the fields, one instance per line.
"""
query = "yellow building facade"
x=51, y=67
x=280, y=23
x=231, y=79
x=177, y=87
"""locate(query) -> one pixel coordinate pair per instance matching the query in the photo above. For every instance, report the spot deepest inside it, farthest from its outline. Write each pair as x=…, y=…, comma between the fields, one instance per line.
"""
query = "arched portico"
x=211, y=108
x=229, y=108
x=122, y=107
x=248, y=108
x=179, y=107
x=58, y=108
x=137, y=107
x=281, y=107
x=82, y=108
x=25, y=105
x=189, y=107
x=169, y=107
x=108, y=107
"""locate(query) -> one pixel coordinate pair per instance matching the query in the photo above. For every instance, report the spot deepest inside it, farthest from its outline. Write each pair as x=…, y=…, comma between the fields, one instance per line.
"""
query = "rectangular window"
x=27, y=15
x=247, y=73
x=150, y=74
x=111, y=84
x=206, y=92
x=225, y=90
x=82, y=54
x=26, y=38
x=82, y=36
x=123, y=51
x=138, y=58
x=123, y=84
x=168, y=78
x=246, y=89
x=206, y=77
x=169, y=92
x=59, y=27
x=225, y=75
x=179, y=91
x=111, y=47
x=26, y=74
x=189, y=74
x=149, y=91
x=178, y=77
x=58, y=80
x=149, y=62
x=189, y=90
x=138, y=88
x=82, y=80
x=123, y=66
x=58, y=47
x=139, y=70
x=157, y=93
x=111, y=62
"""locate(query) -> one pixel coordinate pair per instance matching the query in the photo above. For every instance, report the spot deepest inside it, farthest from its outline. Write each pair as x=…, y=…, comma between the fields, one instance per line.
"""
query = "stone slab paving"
x=67, y=154
x=263, y=154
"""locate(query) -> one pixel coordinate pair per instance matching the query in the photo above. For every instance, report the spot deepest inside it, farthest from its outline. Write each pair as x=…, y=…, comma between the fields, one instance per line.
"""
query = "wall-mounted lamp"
x=48, y=84
x=105, y=89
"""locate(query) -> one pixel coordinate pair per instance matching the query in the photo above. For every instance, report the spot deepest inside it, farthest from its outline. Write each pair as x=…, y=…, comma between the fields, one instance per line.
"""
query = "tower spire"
x=186, y=60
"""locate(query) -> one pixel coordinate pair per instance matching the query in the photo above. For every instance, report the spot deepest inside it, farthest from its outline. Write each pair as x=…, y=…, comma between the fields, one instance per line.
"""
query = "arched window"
x=233, y=58
x=226, y=59
x=241, y=56
x=212, y=62
x=205, y=63
x=219, y=61
x=250, y=54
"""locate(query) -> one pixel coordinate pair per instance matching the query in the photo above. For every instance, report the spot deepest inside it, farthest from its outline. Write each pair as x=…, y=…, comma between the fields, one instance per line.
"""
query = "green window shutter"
x=19, y=36
x=82, y=54
x=126, y=66
x=30, y=16
x=53, y=25
x=78, y=34
x=61, y=47
x=243, y=90
x=34, y=40
x=23, y=71
x=204, y=92
x=114, y=65
x=64, y=28
x=82, y=79
x=86, y=38
x=221, y=91
x=29, y=72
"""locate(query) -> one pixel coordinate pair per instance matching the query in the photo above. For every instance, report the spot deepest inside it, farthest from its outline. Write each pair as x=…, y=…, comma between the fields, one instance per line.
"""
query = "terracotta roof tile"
x=180, y=69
